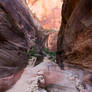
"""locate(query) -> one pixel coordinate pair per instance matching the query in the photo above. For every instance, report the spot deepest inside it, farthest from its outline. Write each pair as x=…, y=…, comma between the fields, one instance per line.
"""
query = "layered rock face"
x=47, y=76
x=12, y=47
x=16, y=33
x=47, y=11
x=13, y=55
x=75, y=36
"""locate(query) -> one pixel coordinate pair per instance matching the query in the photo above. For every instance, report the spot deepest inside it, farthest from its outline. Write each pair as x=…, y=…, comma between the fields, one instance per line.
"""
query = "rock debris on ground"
x=32, y=77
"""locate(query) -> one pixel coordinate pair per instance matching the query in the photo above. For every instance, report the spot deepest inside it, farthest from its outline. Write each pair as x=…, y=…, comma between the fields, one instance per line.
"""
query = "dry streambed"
x=47, y=77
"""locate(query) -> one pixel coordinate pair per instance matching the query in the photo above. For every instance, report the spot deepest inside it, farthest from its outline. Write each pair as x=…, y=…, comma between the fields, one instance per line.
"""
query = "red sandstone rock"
x=51, y=41
x=75, y=40
x=88, y=79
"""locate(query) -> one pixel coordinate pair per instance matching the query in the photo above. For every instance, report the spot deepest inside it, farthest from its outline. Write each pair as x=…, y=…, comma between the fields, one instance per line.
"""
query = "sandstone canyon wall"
x=47, y=11
x=75, y=36
x=17, y=35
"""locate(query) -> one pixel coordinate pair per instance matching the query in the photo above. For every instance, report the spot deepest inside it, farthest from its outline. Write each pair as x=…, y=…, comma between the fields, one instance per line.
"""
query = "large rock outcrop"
x=75, y=36
x=17, y=34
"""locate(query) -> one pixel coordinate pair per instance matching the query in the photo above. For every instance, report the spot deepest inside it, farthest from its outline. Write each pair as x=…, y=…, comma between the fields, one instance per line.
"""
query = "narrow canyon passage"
x=34, y=55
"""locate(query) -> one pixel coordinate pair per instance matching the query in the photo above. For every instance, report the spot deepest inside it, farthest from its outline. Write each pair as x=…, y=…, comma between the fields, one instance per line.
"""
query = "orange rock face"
x=47, y=11
x=52, y=41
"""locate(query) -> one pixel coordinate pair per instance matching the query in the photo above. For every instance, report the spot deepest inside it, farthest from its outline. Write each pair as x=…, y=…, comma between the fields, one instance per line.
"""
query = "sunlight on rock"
x=47, y=11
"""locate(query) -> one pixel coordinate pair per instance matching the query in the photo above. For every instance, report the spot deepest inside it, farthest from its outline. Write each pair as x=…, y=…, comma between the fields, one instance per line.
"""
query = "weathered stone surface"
x=13, y=47
x=75, y=36
x=47, y=11
x=51, y=41
x=49, y=75
x=9, y=81
x=17, y=35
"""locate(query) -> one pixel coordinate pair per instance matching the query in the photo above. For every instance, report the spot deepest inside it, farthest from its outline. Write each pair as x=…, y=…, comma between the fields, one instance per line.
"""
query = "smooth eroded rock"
x=75, y=36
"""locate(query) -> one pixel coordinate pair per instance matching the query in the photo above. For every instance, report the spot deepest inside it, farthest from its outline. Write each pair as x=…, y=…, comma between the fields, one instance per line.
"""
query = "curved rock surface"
x=16, y=37
x=75, y=36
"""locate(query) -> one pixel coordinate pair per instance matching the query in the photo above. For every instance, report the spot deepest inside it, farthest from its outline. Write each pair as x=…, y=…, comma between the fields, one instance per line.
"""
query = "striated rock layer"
x=75, y=36
x=17, y=35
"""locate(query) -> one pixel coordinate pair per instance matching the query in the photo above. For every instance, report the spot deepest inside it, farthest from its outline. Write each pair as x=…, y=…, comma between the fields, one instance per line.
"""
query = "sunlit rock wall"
x=47, y=11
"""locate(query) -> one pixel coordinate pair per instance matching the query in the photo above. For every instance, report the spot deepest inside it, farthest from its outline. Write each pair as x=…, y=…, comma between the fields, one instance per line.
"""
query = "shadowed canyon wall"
x=17, y=35
x=75, y=36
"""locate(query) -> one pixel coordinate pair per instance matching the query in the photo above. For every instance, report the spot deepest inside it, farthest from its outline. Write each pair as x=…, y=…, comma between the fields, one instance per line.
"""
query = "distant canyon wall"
x=47, y=11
